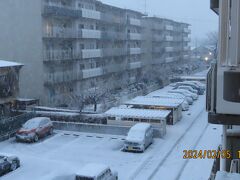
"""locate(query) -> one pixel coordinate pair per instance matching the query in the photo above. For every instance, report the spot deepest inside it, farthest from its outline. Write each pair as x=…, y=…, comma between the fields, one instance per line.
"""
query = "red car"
x=34, y=129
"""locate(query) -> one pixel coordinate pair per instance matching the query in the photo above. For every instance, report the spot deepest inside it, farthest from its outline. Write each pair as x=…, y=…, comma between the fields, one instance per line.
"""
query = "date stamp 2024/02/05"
x=208, y=154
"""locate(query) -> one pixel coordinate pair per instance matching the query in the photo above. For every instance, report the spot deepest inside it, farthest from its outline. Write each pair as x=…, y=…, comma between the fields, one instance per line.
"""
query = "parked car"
x=96, y=172
x=185, y=105
x=189, y=88
x=8, y=163
x=201, y=85
x=34, y=129
x=187, y=95
x=194, y=86
x=139, y=137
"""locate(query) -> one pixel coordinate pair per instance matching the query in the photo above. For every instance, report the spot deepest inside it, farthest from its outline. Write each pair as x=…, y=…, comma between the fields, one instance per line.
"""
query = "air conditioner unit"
x=223, y=81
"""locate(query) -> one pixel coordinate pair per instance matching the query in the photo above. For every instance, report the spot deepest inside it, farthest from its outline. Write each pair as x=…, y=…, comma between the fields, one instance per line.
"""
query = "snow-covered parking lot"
x=65, y=153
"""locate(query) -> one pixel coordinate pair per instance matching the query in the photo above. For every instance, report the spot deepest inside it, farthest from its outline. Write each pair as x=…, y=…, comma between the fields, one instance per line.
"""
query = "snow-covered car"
x=201, y=85
x=187, y=95
x=34, y=129
x=96, y=172
x=8, y=164
x=189, y=88
x=194, y=86
x=139, y=137
x=193, y=95
x=185, y=105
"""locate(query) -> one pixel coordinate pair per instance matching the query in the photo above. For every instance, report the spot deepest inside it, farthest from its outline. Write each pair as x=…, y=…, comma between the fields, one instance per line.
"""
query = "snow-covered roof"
x=38, y=119
x=4, y=63
x=140, y=126
x=166, y=95
x=152, y=101
x=221, y=175
x=92, y=170
x=138, y=113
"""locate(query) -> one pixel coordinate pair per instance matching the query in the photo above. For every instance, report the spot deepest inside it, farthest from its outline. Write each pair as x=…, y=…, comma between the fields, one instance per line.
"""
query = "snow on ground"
x=65, y=153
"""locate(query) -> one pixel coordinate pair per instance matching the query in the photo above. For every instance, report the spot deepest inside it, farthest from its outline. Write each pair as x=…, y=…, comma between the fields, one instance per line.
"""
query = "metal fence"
x=9, y=126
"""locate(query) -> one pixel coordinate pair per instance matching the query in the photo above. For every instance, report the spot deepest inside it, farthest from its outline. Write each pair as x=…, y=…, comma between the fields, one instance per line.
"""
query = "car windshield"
x=138, y=134
x=31, y=124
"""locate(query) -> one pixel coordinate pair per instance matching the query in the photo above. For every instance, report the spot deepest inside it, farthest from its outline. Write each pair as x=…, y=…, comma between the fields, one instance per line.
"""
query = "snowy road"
x=65, y=153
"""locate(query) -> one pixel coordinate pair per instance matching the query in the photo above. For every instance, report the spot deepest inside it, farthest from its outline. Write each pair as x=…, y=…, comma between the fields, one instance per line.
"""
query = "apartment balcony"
x=57, y=32
x=168, y=27
x=114, y=52
x=169, y=59
x=112, y=35
x=109, y=18
x=135, y=36
x=186, y=48
x=186, y=39
x=134, y=22
x=157, y=26
x=60, y=10
x=135, y=65
x=91, y=53
x=177, y=39
x=186, y=30
x=135, y=51
x=169, y=49
x=157, y=49
x=158, y=38
x=89, y=73
x=91, y=34
x=114, y=68
x=186, y=57
x=91, y=14
x=62, y=77
x=60, y=55
x=168, y=38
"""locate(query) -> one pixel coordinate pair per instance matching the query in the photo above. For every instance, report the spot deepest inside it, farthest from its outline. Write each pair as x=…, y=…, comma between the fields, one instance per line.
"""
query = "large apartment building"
x=71, y=46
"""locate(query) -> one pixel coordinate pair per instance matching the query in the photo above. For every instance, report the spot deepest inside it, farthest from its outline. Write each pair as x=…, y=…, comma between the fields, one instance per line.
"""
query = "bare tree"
x=212, y=40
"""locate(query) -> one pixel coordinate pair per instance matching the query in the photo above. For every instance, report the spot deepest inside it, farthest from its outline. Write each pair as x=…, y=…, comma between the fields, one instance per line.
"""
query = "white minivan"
x=96, y=172
x=139, y=137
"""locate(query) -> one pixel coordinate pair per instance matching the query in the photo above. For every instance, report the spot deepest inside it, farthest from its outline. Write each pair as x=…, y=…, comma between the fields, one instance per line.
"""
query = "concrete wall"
x=21, y=41
x=98, y=128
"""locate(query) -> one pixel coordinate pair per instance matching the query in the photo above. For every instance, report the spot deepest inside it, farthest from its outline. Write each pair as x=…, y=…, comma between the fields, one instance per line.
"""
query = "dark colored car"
x=8, y=163
x=34, y=129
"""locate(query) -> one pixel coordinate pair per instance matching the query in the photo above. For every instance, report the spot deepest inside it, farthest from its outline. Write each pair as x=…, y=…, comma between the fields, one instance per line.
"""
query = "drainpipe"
x=224, y=147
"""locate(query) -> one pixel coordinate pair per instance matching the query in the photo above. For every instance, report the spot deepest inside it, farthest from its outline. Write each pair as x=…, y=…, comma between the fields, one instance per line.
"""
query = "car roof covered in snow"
x=38, y=119
x=138, y=113
x=4, y=63
x=92, y=170
x=154, y=101
x=140, y=127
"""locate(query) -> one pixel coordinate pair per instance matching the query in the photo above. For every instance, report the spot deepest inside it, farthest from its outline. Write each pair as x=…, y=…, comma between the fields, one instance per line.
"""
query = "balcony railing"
x=91, y=14
x=89, y=73
x=186, y=56
x=62, y=77
x=91, y=53
x=60, y=55
x=58, y=10
x=135, y=65
x=168, y=38
x=187, y=48
x=169, y=49
x=158, y=37
x=111, y=35
x=113, y=68
x=135, y=22
x=114, y=52
x=169, y=28
x=169, y=59
x=135, y=36
x=57, y=32
x=186, y=30
x=89, y=33
x=186, y=39
x=109, y=18
x=135, y=51
x=157, y=26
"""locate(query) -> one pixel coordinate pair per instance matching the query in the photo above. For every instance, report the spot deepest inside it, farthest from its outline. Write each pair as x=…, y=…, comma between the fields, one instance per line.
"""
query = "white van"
x=139, y=137
x=96, y=172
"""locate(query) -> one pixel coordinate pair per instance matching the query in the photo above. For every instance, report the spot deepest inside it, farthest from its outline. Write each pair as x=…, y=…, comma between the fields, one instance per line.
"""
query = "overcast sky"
x=195, y=12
